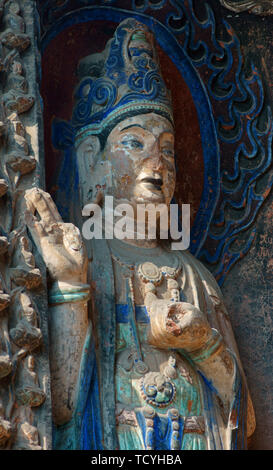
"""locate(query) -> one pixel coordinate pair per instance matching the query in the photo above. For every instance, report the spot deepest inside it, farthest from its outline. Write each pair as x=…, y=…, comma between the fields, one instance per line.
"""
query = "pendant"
x=157, y=390
x=139, y=366
x=149, y=272
x=170, y=273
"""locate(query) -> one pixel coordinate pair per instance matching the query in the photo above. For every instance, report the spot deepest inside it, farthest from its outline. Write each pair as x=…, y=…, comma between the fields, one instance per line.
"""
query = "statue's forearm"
x=67, y=328
x=218, y=365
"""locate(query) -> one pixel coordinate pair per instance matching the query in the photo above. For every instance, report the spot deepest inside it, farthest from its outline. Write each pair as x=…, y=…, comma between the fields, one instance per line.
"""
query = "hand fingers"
x=99, y=197
x=36, y=199
x=35, y=227
x=72, y=237
x=52, y=207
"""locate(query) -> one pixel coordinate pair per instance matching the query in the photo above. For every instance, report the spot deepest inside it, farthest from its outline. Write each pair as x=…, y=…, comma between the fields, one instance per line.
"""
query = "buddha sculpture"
x=142, y=351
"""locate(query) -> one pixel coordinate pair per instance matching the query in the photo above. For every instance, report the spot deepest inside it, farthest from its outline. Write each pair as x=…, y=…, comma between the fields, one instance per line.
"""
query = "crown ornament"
x=122, y=81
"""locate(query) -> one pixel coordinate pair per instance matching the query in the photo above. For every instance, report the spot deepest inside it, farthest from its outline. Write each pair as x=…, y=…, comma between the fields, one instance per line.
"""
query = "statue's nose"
x=155, y=160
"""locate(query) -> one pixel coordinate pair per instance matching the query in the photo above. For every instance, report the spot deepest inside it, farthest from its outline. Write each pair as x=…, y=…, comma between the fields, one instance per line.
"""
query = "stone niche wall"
x=248, y=287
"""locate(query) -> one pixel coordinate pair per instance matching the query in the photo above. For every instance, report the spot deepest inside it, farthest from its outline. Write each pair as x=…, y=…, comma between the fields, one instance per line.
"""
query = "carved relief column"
x=25, y=411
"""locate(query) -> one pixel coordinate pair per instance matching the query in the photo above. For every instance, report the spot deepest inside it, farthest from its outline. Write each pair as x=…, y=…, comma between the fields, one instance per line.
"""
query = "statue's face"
x=141, y=152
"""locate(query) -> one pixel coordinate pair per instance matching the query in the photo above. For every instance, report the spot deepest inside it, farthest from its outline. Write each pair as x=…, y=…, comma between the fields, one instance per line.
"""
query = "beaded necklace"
x=151, y=276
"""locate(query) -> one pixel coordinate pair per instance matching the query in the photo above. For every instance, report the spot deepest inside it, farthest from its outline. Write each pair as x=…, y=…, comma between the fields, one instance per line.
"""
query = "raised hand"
x=60, y=244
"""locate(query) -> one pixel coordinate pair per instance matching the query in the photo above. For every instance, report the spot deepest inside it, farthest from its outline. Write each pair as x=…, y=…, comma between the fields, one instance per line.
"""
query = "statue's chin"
x=154, y=199
x=145, y=194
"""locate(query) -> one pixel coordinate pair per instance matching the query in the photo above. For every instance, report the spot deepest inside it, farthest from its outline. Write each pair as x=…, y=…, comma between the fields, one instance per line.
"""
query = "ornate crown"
x=122, y=81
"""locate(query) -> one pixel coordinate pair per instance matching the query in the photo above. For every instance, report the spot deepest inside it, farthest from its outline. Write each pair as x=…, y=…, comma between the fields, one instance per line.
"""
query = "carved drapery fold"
x=24, y=368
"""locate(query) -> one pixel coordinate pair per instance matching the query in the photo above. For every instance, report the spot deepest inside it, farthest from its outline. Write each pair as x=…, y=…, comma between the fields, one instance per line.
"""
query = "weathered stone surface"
x=4, y=244
x=3, y=187
x=15, y=102
x=28, y=396
x=31, y=278
x=5, y=365
x=5, y=431
x=15, y=41
x=28, y=438
x=23, y=326
x=250, y=306
x=4, y=300
x=26, y=335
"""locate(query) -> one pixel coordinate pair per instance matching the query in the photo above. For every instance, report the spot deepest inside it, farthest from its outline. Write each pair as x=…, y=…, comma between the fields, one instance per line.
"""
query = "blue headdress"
x=124, y=80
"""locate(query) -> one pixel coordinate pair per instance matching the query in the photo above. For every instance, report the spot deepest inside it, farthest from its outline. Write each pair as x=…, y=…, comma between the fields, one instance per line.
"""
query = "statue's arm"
x=68, y=325
x=63, y=252
x=223, y=324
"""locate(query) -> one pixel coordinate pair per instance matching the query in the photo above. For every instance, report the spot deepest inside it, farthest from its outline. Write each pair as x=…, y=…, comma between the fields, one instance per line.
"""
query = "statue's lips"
x=152, y=183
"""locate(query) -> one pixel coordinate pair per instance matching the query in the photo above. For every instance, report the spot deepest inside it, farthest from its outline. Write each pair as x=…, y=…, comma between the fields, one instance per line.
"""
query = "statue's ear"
x=90, y=169
x=88, y=153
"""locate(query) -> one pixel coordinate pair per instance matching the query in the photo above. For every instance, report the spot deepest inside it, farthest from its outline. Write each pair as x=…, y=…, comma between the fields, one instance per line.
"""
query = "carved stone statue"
x=142, y=351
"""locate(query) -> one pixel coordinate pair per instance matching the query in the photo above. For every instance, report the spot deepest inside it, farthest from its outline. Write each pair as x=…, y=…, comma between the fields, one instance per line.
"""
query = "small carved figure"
x=3, y=187
x=26, y=334
x=27, y=437
x=28, y=392
x=14, y=36
x=5, y=360
x=12, y=17
x=16, y=79
x=4, y=298
x=5, y=364
x=5, y=427
x=25, y=273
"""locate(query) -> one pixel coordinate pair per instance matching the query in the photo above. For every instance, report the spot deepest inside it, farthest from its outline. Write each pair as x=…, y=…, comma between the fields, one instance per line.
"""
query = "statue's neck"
x=141, y=243
x=134, y=250
x=133, y=237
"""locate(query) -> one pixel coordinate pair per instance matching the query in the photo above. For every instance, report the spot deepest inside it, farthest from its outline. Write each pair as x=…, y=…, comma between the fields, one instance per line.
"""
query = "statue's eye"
x=133, y=144
x=169, y=152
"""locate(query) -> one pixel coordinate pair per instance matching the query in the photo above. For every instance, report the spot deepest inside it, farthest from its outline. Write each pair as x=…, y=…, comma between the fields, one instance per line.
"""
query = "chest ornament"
x=150, y=272
x=157, y=390
x=151, y=276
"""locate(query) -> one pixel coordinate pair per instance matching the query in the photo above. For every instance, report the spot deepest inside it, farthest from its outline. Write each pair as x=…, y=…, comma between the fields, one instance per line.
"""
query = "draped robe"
x=93, y=424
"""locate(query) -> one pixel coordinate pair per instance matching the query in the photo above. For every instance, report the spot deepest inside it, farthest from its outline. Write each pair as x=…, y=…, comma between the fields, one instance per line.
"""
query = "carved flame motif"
x=258, y=7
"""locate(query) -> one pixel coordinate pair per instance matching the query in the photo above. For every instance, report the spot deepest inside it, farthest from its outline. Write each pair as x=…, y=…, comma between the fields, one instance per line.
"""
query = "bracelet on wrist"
x=69, y=294
x=211, y=347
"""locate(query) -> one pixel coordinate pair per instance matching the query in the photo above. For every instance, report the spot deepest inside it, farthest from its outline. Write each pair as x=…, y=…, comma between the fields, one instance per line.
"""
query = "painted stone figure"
x=142, y=351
